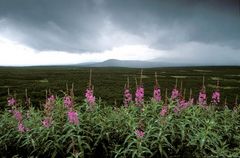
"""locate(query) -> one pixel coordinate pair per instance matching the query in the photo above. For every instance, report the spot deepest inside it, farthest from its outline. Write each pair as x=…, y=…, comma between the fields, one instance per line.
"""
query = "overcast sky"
x=40, y=32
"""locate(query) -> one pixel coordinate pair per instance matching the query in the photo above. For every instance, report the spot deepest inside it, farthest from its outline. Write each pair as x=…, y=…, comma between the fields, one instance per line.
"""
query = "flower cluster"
x=21, y=127
x=175, y=94
x=157, y=94
x=202, y=98
x=73, y=117
x=139, y=96
x=216, y=97
x=156, y=91
x=127, y=97
x=139, y=133
x=183, y=104
x=48, y=108
x=164, y=110
x=11, y=101
x=68, y=102
x=18, y=116
x=16, y=113
x=90, y=98
x=47, y=122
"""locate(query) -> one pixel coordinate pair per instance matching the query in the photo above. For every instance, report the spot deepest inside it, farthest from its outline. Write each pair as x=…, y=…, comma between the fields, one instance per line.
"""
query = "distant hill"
x=130, y=64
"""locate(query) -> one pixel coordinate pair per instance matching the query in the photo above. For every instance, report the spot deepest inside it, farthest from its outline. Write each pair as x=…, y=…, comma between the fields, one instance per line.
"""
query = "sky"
x=56, y=32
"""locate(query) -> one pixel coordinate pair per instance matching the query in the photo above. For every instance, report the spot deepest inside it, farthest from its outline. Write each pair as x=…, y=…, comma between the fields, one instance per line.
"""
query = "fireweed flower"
x=175, y=94
x=157, y=94
x=21, y=127
x=11, y=101
x=139, y=96
x=164, y=110
x=18, y=115
x=47, y=122
x=73, y=117
x=139, y=133
x=156, y=91
x=90, y=98
x=216, y=97
x=202, y=98
x=127, y=97
x=67, y=100
x=51, y=98
x=183, y=104
x=176, y=109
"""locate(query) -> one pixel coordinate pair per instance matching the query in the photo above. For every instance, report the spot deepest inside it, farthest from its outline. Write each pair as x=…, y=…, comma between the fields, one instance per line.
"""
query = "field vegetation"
x=109, y=82
x=118, y=112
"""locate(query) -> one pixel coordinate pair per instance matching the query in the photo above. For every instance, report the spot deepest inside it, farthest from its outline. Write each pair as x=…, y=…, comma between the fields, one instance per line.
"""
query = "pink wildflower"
x=183, y=104
x=157, y=94
x=139, y=133
x=176, y=109
x=127, y=97
x=202, y=98
x=164, y=110
x=216, y=97
x=175, y=94
x=68, y=102
x=21, y=127
x=90, y=98
x=73, y=117
x=47, y=122
x=51, y=98
x=11, y=101
x=18, y=115
x=139, y=96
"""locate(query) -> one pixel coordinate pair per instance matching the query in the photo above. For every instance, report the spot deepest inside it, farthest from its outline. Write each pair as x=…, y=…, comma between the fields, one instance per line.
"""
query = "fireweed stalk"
x=16, y=113
x=175, y=92
x=69, y=104
x=139, y=132
x=181, y=103
x=90, y=98
x=139, y=94
x=156, y=91
x=27, y=99
x=127, y=96
x=48, y=108
x=202, y=97
x=73, y=117
x=27, y=104
x=225, y=103
x=164, y=110
x=216, y=95
x=191, y=99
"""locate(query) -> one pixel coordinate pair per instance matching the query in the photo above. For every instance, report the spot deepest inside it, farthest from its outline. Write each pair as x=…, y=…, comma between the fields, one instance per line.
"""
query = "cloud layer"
x=95, y=26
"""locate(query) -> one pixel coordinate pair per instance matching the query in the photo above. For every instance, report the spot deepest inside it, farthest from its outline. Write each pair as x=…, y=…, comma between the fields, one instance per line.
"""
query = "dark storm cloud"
x=91, y=25
x=54, y=25
x=214, y=21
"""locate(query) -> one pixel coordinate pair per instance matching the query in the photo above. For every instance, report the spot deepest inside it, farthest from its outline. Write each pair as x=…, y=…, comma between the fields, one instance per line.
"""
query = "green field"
x=109, y=82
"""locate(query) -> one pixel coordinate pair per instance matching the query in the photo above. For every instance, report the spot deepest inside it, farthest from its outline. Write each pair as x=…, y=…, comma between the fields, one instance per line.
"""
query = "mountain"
x=130, y=64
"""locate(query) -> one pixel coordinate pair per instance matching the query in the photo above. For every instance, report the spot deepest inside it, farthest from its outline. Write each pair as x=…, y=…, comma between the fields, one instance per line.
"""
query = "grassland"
x=109, y=82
